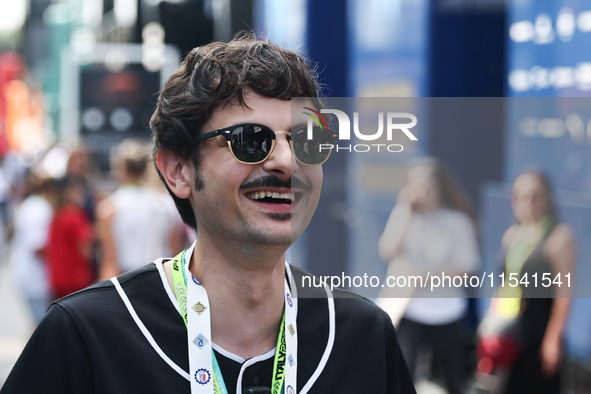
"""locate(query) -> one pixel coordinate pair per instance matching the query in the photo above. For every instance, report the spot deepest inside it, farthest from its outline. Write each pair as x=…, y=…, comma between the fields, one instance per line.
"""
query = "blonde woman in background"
x=430, y=230
x=537, y=244
x=135, y=225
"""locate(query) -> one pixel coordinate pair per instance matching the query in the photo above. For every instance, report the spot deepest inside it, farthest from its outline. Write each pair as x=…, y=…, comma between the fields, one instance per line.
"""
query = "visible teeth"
x=264, y=194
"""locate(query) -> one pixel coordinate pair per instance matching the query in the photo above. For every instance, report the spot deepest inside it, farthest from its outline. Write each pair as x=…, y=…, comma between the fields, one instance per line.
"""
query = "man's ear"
x=177, y=173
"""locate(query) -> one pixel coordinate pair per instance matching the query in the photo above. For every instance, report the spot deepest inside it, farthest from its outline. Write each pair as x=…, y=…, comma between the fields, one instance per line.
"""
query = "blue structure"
x=547, y=126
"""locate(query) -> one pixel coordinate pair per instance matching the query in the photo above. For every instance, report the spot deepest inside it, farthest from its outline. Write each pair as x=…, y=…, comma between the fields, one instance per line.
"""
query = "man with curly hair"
x=223, y=316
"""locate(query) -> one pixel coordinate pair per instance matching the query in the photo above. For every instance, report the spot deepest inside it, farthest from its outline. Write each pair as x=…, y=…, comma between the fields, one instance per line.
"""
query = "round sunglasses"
x=252, y=143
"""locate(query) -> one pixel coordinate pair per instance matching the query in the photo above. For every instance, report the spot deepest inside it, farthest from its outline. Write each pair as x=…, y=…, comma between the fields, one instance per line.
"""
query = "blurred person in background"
x=537, y=244
x=31, y=228
x=11, y=192
x=135, y=224
x=78, y=168
x=70, y=245
x=431, y=230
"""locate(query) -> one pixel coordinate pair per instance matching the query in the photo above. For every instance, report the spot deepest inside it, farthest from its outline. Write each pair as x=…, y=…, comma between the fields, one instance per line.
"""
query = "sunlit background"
x=86, y=73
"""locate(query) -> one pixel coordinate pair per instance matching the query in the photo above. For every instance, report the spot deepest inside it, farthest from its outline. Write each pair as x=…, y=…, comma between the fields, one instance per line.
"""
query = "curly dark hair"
x=220, y=74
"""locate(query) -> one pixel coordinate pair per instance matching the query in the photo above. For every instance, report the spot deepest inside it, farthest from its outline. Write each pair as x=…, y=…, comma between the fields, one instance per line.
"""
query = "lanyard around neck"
x=202, y=359
x=509, y=305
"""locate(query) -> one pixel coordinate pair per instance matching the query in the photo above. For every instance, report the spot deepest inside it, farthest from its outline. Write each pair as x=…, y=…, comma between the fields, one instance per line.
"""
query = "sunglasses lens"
x=251, y=143
x=315, y=150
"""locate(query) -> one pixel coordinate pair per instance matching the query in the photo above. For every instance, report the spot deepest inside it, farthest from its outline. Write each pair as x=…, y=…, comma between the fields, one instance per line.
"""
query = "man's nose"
x=282, y=161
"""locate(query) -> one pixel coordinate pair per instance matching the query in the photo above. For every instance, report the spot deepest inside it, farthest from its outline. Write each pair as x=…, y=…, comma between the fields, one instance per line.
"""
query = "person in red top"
x=70, y=240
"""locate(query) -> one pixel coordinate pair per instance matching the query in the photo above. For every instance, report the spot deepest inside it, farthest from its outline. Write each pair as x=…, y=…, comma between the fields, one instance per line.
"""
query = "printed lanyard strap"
x=202, y=359
x=509, y=305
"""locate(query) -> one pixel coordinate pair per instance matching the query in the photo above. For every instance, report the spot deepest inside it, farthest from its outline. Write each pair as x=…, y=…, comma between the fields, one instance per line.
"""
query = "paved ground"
x=16, y=323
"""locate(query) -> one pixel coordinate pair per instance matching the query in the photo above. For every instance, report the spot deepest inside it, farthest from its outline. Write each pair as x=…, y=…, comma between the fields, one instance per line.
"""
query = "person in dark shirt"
x=223, y=315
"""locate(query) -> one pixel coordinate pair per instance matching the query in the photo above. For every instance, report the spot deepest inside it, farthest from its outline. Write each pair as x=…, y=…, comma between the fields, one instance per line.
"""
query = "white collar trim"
x=245, y=363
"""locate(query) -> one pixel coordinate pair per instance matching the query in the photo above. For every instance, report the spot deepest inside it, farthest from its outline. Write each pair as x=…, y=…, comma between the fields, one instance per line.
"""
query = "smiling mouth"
x=272, y=197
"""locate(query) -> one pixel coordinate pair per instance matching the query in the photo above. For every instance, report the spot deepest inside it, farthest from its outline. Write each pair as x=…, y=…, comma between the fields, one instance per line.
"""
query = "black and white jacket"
x=91, y=342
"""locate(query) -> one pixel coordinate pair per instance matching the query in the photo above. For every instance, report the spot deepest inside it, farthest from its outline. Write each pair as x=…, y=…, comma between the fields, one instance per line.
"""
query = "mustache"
x=275, y=181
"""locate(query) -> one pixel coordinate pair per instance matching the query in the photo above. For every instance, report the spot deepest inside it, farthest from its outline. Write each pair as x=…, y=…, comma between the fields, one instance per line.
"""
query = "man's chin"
x=282, y=219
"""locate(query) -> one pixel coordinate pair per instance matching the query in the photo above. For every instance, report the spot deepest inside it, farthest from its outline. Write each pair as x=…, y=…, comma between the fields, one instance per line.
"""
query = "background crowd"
x=64, y=235
x=504, y=86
